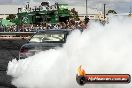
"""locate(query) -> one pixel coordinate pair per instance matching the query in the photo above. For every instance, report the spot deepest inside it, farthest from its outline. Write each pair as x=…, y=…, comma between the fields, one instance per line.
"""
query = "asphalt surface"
x=9, y=50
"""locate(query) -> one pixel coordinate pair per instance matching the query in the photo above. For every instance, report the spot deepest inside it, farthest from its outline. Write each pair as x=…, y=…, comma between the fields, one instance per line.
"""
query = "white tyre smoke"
x=99, y=49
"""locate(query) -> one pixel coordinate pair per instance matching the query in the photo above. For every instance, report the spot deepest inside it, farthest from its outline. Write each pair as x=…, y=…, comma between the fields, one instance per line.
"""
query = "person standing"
x=86, y=20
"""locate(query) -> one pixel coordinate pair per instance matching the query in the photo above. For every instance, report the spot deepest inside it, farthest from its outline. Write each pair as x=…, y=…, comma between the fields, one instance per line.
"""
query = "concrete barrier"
x=15, y=35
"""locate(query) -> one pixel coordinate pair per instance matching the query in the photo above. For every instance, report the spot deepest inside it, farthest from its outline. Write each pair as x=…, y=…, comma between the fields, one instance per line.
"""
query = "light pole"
x=104, y=11
x=86, y=8
x=130, y=8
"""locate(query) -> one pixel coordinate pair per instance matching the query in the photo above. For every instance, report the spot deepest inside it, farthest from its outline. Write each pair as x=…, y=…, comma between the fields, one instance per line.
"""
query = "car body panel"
x=32, y=47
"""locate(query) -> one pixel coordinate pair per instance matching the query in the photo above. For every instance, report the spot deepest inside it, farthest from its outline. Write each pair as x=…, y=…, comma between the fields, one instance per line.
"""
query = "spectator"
x=86, y=20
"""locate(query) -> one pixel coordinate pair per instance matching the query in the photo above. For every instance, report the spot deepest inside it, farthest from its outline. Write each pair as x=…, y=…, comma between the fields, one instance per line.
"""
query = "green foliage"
x=112, y=11
x=74, y=14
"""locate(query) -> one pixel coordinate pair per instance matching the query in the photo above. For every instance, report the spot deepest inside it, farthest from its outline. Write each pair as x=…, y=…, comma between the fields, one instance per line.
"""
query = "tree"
x=111, y=12
x=74, y=14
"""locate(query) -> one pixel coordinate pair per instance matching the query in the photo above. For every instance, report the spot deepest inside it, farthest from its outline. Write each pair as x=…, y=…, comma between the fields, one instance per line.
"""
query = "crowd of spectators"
x=69, y=24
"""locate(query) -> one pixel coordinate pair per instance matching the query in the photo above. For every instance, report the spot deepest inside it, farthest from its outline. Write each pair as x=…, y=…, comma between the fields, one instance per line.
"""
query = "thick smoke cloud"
x=99, y=49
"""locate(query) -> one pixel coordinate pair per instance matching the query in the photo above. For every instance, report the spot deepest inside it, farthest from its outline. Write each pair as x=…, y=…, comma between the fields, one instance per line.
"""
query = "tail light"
x=23, y=53
x=23, y=50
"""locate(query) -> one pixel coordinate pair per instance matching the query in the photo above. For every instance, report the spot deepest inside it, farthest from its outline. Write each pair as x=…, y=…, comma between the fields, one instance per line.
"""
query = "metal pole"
x=130, y=8
x=109, y=5
x=86, y=8
x=104, y=11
